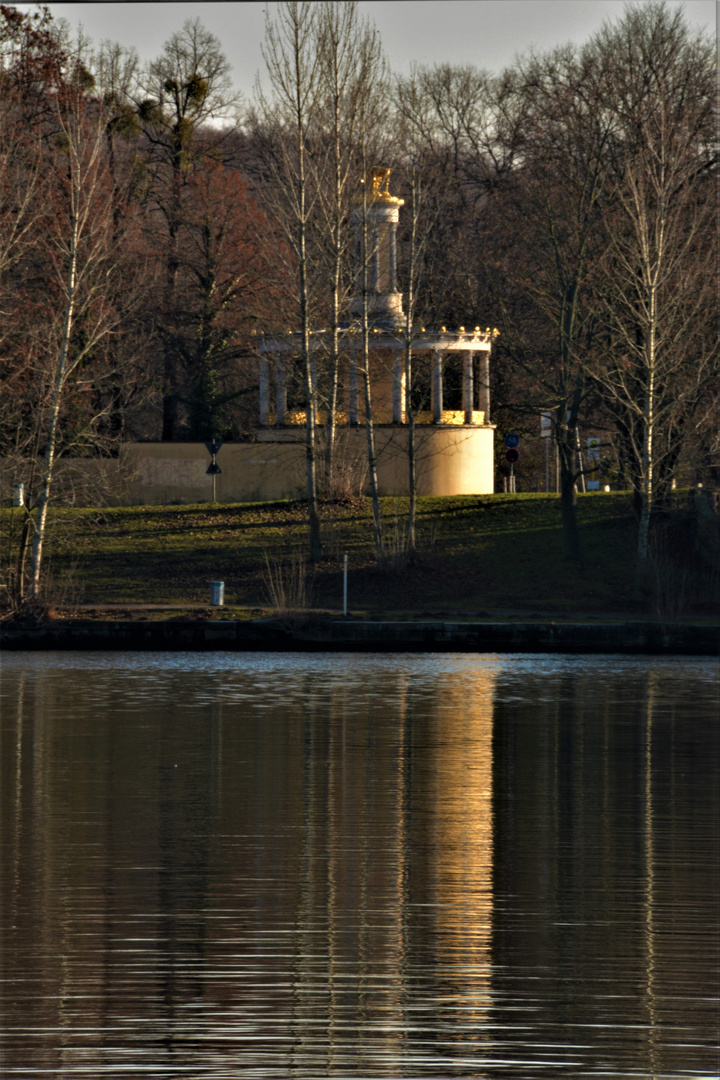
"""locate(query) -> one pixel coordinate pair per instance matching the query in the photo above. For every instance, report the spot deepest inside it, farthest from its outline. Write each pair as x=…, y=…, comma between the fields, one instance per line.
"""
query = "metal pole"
x=345, y=584
x=547, y=467
x=214, y=492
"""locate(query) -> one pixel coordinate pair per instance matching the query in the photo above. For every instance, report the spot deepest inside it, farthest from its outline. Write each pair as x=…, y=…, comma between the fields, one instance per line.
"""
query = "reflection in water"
x=358, y=866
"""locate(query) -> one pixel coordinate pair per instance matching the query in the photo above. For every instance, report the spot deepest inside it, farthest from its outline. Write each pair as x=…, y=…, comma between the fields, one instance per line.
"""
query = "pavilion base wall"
x=452, y=460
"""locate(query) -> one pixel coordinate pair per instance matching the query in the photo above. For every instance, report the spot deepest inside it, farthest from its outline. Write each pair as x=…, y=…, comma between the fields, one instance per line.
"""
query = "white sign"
x=545, y=425
x=593, y=450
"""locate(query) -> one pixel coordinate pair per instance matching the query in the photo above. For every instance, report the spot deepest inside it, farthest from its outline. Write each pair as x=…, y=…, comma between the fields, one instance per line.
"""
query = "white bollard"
x=345, y=584
x=217, y=593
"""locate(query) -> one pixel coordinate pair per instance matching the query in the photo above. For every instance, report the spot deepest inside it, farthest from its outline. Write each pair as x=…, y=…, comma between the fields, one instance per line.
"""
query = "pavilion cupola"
x=375, y=218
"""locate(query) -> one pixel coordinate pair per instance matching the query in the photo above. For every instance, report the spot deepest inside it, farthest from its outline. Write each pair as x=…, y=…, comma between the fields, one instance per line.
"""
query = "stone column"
x=398, y=389
x=468, y=386
x=437, y=386
x=393, y=257
x=352, y=391
x=485, y=384
x=264, y=392
x=280, y=391
x=375, y=261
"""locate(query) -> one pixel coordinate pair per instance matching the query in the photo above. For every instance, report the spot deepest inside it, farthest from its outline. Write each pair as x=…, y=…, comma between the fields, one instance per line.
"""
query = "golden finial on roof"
x=377, y=182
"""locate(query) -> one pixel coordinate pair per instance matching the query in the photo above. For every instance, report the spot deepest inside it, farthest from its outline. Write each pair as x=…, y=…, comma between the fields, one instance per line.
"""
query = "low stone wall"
x=450, y=461
x=348, y=635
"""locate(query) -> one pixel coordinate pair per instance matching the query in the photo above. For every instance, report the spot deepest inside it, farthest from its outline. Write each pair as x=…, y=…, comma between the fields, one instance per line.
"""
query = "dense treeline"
x=148, y=226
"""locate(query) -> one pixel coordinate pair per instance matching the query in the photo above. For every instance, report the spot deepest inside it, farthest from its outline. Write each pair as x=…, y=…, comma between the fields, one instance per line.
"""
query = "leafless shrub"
x=57, y=591
x=396, y=557
x=288, y=588
x=346, y=478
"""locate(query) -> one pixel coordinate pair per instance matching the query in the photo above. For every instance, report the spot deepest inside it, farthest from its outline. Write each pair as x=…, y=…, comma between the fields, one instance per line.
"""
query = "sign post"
x=345, y=584
x=511, y=454
x=213, y=468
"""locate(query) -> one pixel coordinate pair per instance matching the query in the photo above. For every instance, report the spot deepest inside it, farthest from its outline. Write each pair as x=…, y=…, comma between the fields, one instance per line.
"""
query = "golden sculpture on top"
x=379, y=187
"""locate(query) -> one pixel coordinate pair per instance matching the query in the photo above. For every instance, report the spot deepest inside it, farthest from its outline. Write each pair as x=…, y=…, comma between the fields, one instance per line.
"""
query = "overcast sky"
x=486, y=33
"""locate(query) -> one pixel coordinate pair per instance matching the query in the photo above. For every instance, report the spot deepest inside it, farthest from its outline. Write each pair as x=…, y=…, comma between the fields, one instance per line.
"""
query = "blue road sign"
x=512, y=440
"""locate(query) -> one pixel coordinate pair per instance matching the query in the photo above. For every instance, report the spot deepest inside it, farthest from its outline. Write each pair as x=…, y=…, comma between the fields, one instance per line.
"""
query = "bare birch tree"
x=658, y=278
x=77, y=244
x=353, y=82
x=543, y=221
x=284, y=125
x=365, y=256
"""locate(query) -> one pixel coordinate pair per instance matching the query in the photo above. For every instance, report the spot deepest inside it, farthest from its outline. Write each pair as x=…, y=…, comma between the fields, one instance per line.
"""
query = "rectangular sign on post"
x=593, y=450
x=545, y=425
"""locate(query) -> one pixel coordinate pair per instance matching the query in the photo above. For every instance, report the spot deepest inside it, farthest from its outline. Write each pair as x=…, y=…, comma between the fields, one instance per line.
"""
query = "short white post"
x=345, y=584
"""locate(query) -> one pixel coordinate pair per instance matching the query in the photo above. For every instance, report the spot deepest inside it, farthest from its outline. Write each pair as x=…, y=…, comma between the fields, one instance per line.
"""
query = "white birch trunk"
x=44, y=497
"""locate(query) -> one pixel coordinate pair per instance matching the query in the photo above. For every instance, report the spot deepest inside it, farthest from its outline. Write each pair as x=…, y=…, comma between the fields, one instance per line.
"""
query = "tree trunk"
x=641, y=583
x=412, y=471
x=310, y=406
x=409, y=411
x=369, y=427
x=44, y=497
x=572, y=549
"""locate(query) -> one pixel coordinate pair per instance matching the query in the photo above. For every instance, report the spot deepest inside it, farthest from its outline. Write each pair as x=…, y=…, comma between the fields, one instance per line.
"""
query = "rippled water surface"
x=358, y=866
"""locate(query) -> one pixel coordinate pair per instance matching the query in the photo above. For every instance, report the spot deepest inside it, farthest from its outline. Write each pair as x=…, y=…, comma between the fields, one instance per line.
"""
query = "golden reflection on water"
x=318, y=877
x=460, y=808
x=397, y=823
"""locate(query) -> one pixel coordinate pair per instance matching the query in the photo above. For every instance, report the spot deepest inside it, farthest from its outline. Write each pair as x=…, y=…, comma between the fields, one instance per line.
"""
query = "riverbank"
x=698, y=638
x=481, y=559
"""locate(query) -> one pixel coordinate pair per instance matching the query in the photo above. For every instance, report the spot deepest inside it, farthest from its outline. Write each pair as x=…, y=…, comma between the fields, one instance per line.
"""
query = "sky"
x=485, y=33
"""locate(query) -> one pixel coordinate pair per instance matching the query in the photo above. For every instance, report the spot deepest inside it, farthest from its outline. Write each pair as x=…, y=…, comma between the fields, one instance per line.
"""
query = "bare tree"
x=76, y=239
x=365, y=254
x=188, y=88
x=657, y=280
x=284, y=125
x=543, y=221
x=353, y=89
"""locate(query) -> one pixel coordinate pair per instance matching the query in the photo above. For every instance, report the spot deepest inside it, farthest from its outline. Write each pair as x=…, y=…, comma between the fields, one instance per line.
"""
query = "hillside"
x=478, y=555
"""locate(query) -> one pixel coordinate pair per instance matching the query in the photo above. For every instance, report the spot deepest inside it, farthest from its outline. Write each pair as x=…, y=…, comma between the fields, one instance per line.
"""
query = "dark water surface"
x=359, y=866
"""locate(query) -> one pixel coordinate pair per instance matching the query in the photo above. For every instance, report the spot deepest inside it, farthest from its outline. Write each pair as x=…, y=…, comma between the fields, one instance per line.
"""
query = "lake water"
x=223, y=865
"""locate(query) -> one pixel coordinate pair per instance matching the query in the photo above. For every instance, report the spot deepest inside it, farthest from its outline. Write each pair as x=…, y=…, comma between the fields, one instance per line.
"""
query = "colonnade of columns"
x=398, y=388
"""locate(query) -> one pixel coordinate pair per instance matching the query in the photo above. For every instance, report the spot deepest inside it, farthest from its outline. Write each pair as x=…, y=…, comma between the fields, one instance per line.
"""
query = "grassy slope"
x=478, y=554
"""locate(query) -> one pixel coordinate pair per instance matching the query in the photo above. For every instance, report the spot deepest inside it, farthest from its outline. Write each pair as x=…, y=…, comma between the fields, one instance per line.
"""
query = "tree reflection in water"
x=358, y=866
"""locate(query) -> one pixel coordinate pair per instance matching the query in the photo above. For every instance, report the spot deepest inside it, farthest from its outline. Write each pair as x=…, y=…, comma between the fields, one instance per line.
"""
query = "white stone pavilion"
x=454, y=446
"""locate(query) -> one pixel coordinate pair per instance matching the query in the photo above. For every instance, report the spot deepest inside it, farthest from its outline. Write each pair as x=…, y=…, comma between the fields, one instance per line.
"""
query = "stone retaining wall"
x=348, y=635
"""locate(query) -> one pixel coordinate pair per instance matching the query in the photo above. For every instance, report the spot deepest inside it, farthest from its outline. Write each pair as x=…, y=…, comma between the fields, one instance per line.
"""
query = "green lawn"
x=477, y=554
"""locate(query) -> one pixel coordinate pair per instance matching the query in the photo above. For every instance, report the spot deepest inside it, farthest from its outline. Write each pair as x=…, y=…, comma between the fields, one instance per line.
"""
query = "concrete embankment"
x=348, y=635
